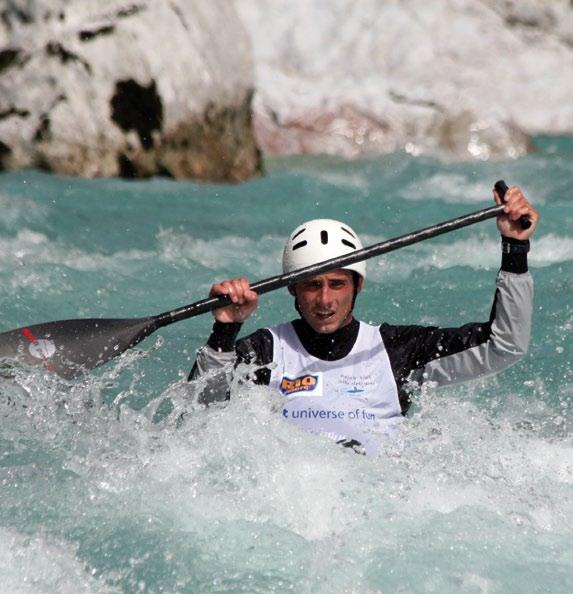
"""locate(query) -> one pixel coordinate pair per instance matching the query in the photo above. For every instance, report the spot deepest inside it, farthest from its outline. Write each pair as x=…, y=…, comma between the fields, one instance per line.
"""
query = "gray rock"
x=144, y=87
x=132, y=88
x=459, y=78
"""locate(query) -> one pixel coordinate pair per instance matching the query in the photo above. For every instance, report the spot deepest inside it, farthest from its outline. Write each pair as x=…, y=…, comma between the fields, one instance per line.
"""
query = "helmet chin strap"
x=348, y=316
x=356, y=282
x=355, y=294
x=297, y=307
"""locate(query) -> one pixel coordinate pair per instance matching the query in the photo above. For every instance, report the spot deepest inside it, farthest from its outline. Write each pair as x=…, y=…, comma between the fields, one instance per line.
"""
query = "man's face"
x=325, y=300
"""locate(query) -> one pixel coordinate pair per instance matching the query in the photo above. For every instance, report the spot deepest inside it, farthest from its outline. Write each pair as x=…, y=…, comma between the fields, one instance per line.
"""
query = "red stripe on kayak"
x=28, y=334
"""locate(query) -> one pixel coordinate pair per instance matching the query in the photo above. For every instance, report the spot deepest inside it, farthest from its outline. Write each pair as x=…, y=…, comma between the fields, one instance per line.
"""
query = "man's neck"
x=329, y=347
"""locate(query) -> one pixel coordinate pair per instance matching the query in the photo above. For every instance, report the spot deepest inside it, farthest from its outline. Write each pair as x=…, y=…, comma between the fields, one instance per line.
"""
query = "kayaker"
x=350, y=380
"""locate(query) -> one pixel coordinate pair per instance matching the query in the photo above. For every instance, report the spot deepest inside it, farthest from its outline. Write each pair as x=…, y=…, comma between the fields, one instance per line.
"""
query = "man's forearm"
x=507, y=343
x=215, y=362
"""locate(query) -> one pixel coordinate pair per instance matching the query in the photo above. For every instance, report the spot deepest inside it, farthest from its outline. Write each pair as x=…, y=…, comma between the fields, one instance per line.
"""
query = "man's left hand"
x=516, y=206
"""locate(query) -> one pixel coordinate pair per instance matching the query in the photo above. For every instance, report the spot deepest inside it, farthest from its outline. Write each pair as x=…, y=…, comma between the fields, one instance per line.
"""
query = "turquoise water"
x=106, y=487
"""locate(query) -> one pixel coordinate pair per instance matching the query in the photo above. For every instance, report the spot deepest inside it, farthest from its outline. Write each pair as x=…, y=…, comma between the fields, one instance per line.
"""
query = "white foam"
x=20, y=211
x=44, y=565
x=24, y=255
x=551, y=249
x=260, y=256
x=476, y=252
x=239, y=479
x=448, y=187
x=242, y=462
x=454, y=188
x=441, y=256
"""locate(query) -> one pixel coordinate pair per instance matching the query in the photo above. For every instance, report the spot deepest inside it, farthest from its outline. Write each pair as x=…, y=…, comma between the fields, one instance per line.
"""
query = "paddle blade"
x=67, y=347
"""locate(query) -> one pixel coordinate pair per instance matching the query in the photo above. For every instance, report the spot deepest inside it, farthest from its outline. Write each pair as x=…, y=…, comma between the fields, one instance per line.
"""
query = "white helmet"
x=319, y=240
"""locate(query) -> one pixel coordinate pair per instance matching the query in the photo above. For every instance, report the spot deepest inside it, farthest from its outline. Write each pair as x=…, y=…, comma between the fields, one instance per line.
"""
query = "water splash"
x=234, y=498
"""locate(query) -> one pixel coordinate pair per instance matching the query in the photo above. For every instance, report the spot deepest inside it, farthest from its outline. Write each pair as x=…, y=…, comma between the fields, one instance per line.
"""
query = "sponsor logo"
x=304, y=383
x=355, y=390
x=42, y=349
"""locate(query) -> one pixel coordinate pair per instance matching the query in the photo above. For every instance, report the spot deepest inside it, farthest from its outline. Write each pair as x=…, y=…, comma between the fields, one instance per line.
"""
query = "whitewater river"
x=120, y=482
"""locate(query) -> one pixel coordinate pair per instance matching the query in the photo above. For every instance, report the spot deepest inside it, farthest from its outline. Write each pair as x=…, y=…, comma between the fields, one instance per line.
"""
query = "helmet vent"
x=298, y=245
x=348, y=231
x=324, y=237
x=348, y=243
x=297, y=234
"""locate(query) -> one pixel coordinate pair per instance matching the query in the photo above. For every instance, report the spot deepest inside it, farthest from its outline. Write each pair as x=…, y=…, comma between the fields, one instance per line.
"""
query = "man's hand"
x=244, y=300
x=516, y=205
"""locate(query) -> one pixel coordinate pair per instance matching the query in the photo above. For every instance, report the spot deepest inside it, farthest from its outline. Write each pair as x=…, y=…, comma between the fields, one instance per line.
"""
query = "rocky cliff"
x=147, y=87
x=131, y=88
x=461, y=78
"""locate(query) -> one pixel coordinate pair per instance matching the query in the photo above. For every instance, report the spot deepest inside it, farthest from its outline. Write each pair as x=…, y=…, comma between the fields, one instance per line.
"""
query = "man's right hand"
x=244, y=300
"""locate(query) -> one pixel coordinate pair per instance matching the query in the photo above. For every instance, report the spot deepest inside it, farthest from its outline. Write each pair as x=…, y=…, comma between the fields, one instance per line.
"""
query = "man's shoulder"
x=404, y=331
x=259, y=335
x=256, y=347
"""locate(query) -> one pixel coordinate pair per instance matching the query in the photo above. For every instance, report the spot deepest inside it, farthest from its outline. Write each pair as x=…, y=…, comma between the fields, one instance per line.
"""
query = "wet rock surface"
x=456, y=78
x=201, y=88
x=127, y=88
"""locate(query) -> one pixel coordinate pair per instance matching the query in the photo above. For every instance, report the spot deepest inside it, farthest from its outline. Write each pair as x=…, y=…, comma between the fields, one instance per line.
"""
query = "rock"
x=132, y=88
x=463, y=134
x=343, y=130
x=141, y=87
x=458, y=78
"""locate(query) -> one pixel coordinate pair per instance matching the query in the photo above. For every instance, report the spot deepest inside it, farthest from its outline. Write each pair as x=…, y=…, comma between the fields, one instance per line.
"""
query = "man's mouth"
x=324, y=315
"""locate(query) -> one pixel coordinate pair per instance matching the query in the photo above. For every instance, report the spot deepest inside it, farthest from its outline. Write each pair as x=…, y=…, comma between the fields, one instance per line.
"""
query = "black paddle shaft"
x=283, y=280
x=68, y=347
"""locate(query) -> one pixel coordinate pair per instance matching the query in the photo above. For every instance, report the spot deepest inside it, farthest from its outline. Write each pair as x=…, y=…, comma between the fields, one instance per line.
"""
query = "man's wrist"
x=223, y=336
x=514, y=254
x=511, y=245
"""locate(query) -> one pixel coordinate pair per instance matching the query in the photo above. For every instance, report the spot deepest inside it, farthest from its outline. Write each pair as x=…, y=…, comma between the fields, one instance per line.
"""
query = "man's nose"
x=325, y=294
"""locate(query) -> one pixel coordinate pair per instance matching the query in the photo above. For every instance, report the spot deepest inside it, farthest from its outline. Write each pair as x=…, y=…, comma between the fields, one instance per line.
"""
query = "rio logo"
x=304, y=383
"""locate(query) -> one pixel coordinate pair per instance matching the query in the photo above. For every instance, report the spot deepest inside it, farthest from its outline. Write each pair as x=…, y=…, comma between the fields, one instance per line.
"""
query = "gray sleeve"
x=507, y=343
x=214, y=368
x=217, y=360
